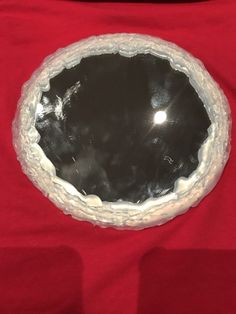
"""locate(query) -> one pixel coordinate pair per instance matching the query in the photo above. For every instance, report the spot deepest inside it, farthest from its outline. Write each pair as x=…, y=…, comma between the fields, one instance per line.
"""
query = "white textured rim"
x=213, y=154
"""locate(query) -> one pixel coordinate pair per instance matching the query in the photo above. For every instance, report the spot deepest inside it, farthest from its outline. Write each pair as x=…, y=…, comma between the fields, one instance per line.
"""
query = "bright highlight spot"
x=39, y=110
x=160, y=117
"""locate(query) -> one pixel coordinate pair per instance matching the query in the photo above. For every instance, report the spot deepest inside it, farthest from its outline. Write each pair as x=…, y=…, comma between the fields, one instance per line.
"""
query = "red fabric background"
x=50, y=263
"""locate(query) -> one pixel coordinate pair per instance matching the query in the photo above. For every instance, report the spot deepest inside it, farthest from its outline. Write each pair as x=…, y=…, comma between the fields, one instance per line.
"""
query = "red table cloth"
x=51, y=263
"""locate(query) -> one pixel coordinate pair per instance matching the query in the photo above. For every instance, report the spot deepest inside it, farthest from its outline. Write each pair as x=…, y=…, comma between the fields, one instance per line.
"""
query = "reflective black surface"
x=122, y=128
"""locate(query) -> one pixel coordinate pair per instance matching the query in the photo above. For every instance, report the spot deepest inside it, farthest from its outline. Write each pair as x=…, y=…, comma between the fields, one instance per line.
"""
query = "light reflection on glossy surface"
x=122, y=128
x=160, y=117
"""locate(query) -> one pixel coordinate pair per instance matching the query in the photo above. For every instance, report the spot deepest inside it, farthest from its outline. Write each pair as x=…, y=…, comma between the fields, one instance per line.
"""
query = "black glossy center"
x=122, y=128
